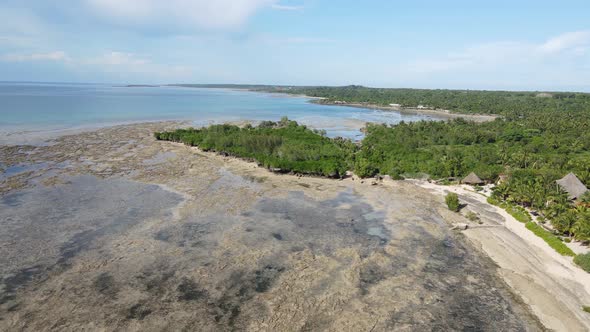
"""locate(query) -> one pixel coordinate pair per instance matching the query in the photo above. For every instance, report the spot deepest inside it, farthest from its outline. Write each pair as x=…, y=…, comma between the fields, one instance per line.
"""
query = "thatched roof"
x=572, y=185
x=472, y=178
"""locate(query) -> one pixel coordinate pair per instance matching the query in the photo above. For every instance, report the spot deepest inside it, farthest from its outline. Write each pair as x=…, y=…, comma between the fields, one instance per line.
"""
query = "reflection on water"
x=6, y=172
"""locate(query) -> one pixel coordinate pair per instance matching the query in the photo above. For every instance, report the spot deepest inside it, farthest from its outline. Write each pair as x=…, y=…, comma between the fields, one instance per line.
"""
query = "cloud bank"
x=203, y=14
x=563, y=59
x=50, y=56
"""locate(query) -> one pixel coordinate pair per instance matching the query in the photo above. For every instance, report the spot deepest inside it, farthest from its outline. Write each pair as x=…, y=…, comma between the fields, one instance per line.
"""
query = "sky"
x=457, y=44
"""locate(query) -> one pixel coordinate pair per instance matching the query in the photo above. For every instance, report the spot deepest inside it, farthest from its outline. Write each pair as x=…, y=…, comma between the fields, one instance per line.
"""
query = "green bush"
x=518, y=213
x=364, y=169
x=583, y=261
x=284, y=145
x=552, y=240
x=586, y=308
x=452, y=201
x=492, y=200
x=472, y=216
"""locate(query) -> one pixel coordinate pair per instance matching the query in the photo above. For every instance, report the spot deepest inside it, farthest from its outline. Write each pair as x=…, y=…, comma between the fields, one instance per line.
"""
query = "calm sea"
x=36, y=109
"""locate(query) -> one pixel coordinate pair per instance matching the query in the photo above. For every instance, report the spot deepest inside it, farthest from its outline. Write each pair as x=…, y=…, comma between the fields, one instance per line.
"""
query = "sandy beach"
x=442, y=114
x=553, y=286
x=111, y=229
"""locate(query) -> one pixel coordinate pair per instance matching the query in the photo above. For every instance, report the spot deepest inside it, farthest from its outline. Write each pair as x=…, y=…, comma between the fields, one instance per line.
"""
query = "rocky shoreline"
x=111, y=229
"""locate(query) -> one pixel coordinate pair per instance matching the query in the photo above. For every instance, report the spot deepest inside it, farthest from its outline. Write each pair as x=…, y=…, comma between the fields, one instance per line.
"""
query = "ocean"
x=33, y=111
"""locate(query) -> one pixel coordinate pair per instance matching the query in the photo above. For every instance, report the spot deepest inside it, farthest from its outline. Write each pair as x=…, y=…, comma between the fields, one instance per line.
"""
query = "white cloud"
x=51, y=56
x=117, y=59
x=271, y=39
x=568, y=47
x=123, y=65
x=572, y=40
x=208, y=14
x=286, y=7
x=560, y=61
x=126, y=66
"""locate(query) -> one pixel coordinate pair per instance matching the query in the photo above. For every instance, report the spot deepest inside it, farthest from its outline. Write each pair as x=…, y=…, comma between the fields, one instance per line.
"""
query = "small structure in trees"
x=572, y=185
x=472, y=179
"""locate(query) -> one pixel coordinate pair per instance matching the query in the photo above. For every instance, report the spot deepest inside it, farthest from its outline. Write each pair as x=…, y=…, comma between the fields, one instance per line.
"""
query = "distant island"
x=141, y=86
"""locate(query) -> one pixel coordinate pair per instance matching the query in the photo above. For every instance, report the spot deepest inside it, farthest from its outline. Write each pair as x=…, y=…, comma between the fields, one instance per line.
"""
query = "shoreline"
x=445, y=115
x=553, y=286
x=536, y=275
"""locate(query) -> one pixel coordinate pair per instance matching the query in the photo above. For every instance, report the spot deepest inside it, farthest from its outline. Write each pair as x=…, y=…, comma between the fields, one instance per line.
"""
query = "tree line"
x=538, y=139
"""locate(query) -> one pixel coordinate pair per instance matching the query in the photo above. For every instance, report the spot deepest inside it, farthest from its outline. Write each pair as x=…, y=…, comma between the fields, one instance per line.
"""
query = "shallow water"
x=36, y=109
x=112, y=250
x=6, y=172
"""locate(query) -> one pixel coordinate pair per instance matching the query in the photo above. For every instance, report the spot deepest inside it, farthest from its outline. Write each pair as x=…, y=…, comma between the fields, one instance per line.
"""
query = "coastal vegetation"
x=536, y=140
x=283, y=146
x=583, y=261
x=506, y=103
x=550, y=238
x=452, y=201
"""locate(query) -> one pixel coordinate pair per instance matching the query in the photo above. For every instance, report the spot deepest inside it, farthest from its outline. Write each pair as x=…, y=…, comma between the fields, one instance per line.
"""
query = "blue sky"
x=516, y=45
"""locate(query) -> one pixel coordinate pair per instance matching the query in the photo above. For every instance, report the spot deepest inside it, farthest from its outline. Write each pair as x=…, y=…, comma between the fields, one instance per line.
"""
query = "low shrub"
x=472, y=216
x=452, y=201
x=552, y=240
x=583, y=261
x=518, y=213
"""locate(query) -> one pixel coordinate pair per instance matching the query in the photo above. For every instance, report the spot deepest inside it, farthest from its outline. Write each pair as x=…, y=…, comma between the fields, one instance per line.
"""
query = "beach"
x=435, y=113
x=552, y=285
x=111, y=229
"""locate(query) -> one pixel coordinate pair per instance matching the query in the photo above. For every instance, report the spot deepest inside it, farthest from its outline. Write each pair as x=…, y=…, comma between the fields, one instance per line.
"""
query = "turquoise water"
x=36, y=107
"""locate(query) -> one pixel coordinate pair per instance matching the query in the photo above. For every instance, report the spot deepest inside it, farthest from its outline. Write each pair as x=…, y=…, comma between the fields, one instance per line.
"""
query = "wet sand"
x=113, y=230
x=554, y=287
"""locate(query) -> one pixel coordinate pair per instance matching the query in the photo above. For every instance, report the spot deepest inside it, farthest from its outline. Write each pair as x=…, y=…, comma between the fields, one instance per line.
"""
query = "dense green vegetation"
x=282, y=146
x=452, y=201
x=518, y=212
x=507, y=103
x=583, y=261
x=552, y=240
x=538, y=138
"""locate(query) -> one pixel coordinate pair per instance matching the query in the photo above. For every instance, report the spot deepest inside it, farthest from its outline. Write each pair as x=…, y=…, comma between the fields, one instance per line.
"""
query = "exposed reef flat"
x=117, y=231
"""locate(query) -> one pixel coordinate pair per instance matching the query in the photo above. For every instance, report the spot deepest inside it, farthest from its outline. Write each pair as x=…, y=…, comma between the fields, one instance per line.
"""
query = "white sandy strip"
x=553, y=286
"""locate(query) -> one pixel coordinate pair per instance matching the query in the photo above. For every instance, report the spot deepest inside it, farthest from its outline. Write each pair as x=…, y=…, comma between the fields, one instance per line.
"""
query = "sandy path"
x=551, y=284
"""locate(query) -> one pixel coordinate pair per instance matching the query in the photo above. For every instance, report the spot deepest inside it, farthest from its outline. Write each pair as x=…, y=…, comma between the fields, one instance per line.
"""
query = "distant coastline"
x=141, y=86
x=407, y=110
x=445, y=114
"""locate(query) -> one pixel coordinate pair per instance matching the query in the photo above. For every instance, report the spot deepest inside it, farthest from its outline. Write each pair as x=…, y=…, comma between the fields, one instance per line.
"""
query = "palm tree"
x=581, y=228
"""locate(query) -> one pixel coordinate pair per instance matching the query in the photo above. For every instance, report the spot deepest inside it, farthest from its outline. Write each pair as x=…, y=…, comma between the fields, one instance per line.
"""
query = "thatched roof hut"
x=472, y=179
x=572, y=185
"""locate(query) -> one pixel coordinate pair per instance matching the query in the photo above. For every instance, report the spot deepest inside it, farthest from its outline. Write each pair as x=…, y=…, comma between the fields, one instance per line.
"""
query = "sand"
x=554, y=287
